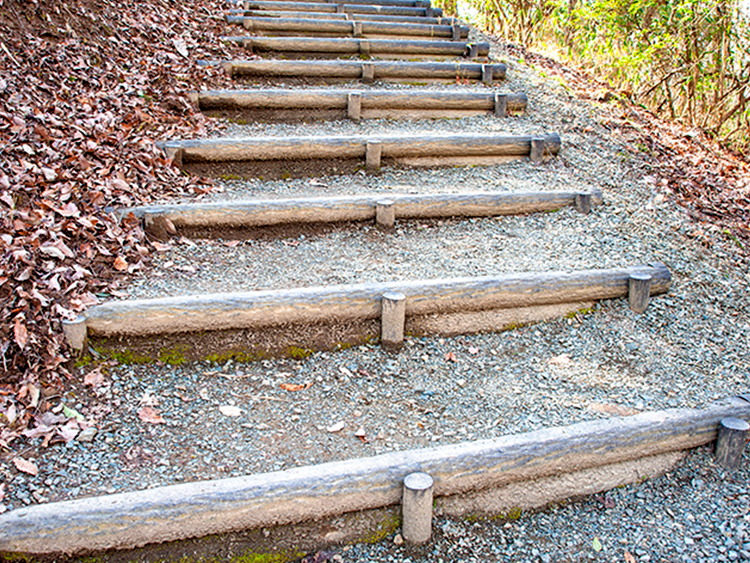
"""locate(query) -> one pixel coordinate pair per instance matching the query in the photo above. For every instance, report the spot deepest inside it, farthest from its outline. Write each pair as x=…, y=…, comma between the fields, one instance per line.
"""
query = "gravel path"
x=695, y=513
x=687, y=350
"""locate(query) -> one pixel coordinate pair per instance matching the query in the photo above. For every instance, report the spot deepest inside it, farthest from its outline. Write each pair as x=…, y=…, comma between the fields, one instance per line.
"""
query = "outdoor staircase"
x=357, y=41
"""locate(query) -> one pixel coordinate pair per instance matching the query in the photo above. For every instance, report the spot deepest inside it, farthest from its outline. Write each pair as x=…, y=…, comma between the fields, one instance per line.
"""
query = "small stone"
x=87, y=434
x=337, y=427
x=360, y=433
x=398, y=539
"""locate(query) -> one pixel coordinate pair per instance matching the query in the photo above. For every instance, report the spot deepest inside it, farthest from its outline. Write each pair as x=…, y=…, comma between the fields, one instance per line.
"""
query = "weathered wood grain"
x=258, y=213
x=360, y=301
x=351, y=46
x=306, y=493
x=480, y=102
x=328, y=27
x=349, y=8
x=412, y=3
x=383, y=70
x=353, y=147
x=238, y=16
x=731, y=442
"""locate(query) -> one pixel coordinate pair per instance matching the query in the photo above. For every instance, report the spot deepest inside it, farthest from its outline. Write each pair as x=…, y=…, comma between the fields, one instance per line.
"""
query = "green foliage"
x=173, y=356
x=386, y=527
x=123, y=357
x=298, y=353
x=274, y=557
x=684, y=59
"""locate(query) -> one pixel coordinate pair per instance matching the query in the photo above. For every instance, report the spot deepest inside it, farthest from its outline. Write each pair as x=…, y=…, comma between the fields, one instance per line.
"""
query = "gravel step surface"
x=695, y=513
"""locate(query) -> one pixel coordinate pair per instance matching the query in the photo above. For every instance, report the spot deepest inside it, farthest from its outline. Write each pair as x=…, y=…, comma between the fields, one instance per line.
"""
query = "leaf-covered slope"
x=86, y=89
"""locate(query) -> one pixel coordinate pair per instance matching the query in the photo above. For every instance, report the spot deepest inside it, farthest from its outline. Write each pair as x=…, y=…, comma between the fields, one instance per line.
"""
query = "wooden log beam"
x=354, y=147
x=352, y=70
x=409, y=3
x=351, y=46
x=361, y=301
x=238, y=16
x=134, y=519
x=373, y=102
x=260, y=213
x=327, y=27
x=348, y=8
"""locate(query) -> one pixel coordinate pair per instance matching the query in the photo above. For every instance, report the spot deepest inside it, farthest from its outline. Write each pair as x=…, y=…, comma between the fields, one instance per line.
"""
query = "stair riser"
x=510, y=472
x=326, y=71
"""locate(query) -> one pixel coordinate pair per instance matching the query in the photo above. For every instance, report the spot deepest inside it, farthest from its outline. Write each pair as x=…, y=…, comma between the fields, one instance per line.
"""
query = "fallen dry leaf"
x=451, y=357
x=295, y=386
x=26, y=466
x=151, y=415
x=20, y=333
x=120, y=264
x=160, y=247
x=34, y=394
x=94, y=378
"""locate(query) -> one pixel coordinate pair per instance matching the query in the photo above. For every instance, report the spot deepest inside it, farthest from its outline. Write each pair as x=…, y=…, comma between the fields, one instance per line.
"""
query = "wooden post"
x=733, y=434
x=75, y=333
x=368, y=73
x=176, y=154
x=364, y=47
x=583, y=202
x=392, y=320
x=487, y=74
x=456, y=32
x=501, y=105
x=537, y=149
x=639, y=291
x=473, y=50
x=429, y=12
x=385, y=214
x=373, y=151
x=357, y=28
x=339, y=8
x=417, y=508
x=354, y=106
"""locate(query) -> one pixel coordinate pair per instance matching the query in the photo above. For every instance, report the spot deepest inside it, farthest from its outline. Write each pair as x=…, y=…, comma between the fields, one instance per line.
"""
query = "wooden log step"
x=238, y=16
x=262, y=105
x=348, y=8
x=509, y=473
x=485, y=477
x=367, y=71
x=326, y=27
x=261, y=213
x=334, y=47
x=255, y=309
x=408, y=3
x=267, y=156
